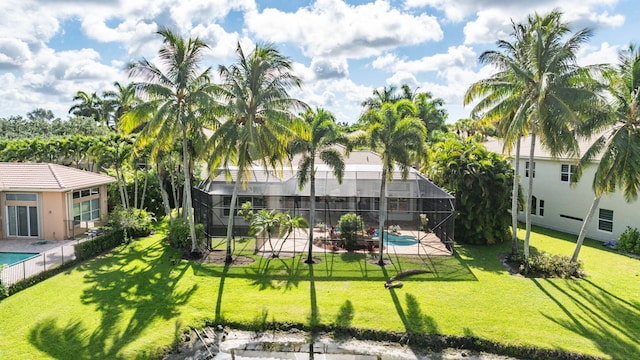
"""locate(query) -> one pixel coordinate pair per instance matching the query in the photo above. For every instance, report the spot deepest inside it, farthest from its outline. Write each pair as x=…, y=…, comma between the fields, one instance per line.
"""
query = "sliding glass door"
x=22, y=220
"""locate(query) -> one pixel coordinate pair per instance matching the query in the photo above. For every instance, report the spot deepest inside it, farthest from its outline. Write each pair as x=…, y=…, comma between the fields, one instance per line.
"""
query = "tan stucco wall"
x=53, y=215
x=55, y=209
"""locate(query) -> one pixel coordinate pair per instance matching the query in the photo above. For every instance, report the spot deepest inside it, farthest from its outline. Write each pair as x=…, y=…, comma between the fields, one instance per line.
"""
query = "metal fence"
x=38, y=264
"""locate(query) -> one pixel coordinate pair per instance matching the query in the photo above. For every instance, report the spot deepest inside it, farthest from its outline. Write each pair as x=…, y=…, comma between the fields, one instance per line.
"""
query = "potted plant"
x=395, y=229
x=370, y=231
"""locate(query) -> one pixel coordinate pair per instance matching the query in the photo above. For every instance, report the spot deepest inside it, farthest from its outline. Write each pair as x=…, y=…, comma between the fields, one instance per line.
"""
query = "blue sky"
x=50, y=49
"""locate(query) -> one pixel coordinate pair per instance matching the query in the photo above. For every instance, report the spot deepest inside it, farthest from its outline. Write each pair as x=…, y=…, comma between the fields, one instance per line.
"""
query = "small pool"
x=399, y=240
x=10, y=258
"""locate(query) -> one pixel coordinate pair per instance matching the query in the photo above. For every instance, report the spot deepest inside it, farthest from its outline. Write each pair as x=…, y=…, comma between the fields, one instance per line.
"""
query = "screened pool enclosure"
x=416, y=207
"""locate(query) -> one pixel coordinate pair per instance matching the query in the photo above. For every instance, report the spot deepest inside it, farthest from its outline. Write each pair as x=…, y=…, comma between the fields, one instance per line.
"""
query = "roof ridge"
x=55, y=175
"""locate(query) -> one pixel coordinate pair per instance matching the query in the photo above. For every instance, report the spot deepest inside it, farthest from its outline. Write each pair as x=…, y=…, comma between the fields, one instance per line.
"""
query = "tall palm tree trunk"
x=232, y=209
x=135, y=186
x=312, y=212
x=587, y=220
x=585, y=225
x=163, y=192
x=382, y=214
x=187, y=192
x=121, y=188
x=144, y=185
x=514, y=201
x=529, y=198
x=174, y=188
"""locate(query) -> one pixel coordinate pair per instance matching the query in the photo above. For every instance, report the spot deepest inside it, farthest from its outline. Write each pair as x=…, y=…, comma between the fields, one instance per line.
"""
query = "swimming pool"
x=398, y=240
x=10, y=258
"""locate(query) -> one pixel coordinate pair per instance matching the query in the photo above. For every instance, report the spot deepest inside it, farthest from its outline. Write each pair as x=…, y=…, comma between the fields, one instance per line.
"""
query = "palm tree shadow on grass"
x=132, y=281
x=609, y=321
x=413, y=319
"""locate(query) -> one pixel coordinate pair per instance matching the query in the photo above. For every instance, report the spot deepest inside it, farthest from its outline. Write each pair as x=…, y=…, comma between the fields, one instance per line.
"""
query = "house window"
x=86, y=210
x=86, y=193
x=537, y=206
x=21, y=197
x=86, y=205
x=22, y=220
x=534, y=208
x=567, y=173
x=526, y=169
x=256, y=201
x=605, y=220
x=398, y=204
x=22, y=214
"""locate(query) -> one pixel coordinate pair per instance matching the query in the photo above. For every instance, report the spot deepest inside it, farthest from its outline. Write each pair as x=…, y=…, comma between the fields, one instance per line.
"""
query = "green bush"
x=629, y=241
x=482, y=182
x=547, y=265
x=349, y=225
x=179, y=237
x=4, y=292
x=133, y=222
x=88, y=249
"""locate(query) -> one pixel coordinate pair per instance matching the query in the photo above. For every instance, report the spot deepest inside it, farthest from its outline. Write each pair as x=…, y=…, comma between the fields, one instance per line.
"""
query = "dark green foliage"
x=40, y=123
x=132, y=222
x=88, y=249
x=482, y=183
x=350, y=224
x=4, y=291
x=152, y=199
x=179, y=237
x=629, y=241
x=546, y=265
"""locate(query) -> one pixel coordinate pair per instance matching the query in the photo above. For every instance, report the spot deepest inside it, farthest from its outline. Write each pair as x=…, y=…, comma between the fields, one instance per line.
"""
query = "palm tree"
x=118, y=102
x=619, y=145
x=178, y=101
x=399, y=137
x=380, y=97
x=90, y=105
x=263, y=223
x=259, y=118
x=538, y=89
x=323, y=134
x=287, y=225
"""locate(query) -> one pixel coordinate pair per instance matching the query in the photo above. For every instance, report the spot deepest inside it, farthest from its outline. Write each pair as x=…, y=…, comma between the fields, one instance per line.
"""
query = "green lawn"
x=133, y=302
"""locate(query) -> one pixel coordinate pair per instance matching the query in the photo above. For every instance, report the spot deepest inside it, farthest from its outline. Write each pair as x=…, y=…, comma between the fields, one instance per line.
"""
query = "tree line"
x=175, y=117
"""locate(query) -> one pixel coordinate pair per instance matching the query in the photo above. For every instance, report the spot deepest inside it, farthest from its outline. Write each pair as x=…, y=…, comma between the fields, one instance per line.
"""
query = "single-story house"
x=560, y=204
x=410, y=203
x=49, y=201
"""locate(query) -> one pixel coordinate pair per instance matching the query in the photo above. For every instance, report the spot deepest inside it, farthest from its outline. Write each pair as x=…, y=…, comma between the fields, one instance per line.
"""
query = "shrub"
x=629, y=241
x=88, y=249
x=133, y=222
x=349, y=225
x=4, y=292
x=547, y=265
x=179, y=234
x=482, y=182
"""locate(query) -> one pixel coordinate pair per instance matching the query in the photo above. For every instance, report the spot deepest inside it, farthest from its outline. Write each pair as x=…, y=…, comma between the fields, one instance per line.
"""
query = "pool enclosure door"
x=22, y=221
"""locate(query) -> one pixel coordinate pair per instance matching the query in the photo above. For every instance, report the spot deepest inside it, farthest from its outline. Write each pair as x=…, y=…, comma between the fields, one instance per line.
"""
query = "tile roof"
x=541, y=152
x=47, y=177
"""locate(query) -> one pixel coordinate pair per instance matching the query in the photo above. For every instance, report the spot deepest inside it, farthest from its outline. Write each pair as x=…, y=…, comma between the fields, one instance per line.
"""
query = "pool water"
x=10, y=258
x=398, y=240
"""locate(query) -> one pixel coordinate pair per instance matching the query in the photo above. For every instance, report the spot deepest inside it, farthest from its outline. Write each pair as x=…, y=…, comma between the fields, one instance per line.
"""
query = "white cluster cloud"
x=334, y=28
x=342, y=51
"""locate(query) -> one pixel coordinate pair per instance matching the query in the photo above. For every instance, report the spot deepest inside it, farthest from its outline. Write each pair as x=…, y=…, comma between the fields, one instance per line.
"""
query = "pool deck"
x=34, y=246
x=428, y=244
x=51, y=253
